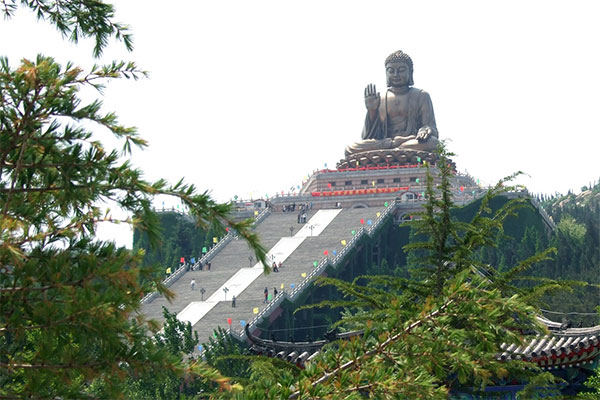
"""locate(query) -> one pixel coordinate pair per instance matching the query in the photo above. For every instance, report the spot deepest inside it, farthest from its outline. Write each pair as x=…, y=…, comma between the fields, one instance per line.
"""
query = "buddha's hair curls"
x=400, y=56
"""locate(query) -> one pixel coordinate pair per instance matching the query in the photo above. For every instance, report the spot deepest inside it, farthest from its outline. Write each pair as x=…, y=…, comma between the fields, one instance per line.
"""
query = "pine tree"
x=69, y=303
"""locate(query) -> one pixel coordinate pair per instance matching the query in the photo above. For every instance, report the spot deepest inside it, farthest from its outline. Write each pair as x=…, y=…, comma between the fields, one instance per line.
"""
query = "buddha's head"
x=399, y=69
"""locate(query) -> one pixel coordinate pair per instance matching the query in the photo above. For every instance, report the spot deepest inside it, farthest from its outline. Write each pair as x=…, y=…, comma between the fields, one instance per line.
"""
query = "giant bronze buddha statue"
x=402, y=119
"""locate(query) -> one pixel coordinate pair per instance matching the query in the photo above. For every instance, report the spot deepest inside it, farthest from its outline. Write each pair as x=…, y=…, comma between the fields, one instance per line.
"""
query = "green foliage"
x=227, y=355
x=577, y=235
x=593, y=383
x=576, y=240
x=268, y=380
x=453, y=246
x=412, y=349
x=77, y=18
x=571, y=230
x=538, y=387
x=176, y=335
x=180, y=238
x=177, y=339
x=70, y=303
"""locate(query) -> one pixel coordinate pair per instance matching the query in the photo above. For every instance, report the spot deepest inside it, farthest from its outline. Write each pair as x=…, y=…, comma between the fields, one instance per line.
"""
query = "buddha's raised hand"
x=372, y=98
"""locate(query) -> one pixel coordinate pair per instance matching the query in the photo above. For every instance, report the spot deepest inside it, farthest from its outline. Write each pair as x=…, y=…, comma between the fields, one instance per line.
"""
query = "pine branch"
x=350, y=364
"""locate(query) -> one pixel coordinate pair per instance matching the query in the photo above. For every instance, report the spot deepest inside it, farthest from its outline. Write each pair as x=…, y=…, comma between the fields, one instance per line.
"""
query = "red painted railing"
x=359, y=168
x=355, y=192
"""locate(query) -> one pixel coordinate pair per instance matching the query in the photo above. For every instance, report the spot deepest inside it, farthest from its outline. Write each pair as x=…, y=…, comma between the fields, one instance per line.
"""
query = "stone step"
x=235, y=255
x=224, y=265
x=300, y=261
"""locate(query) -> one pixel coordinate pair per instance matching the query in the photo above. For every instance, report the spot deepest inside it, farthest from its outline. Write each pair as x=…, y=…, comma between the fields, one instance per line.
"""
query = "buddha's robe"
x=398, y=128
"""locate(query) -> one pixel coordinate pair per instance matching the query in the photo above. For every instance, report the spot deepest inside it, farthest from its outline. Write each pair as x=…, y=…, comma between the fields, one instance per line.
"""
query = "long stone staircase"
x=233, y=256
x=297, y=271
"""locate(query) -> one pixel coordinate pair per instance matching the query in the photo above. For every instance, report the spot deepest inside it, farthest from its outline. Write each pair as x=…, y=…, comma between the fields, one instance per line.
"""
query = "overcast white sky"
x=248, y=97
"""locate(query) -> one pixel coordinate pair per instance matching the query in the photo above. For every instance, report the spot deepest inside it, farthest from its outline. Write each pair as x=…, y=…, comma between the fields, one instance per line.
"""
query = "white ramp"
x=317, y=223
x=194, y=311
x=240, y=281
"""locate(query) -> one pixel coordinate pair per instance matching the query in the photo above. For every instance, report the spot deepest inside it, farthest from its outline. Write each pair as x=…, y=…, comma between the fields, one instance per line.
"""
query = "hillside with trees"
x=576, y=239
x=70, y=320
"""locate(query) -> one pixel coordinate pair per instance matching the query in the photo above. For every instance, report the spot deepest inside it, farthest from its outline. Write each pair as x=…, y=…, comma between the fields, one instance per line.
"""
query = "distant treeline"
x=577, y=240
x=181, y=238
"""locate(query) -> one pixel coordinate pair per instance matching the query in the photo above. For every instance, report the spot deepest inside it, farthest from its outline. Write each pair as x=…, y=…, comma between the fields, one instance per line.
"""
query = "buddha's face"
x=397, y=74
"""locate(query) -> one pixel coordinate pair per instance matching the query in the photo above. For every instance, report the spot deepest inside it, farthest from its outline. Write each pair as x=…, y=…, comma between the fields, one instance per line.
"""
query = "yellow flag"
x=255, y=311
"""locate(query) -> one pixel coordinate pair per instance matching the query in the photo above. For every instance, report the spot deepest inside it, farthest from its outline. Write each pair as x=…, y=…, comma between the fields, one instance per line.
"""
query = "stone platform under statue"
x=385, y=157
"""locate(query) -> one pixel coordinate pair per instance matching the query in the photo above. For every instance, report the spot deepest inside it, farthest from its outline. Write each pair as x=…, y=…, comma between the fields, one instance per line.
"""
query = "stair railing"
x=542, y=212
x=168, y=281
x=228, y=238
x=318, y=270
x=323, y=264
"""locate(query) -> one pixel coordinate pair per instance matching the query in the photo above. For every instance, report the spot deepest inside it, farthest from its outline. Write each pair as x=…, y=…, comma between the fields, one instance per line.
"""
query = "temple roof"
x=560, y=349
x=566, y=347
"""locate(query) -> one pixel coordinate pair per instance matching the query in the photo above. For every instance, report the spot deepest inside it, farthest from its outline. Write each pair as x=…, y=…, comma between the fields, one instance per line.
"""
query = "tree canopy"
x=70, y=302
